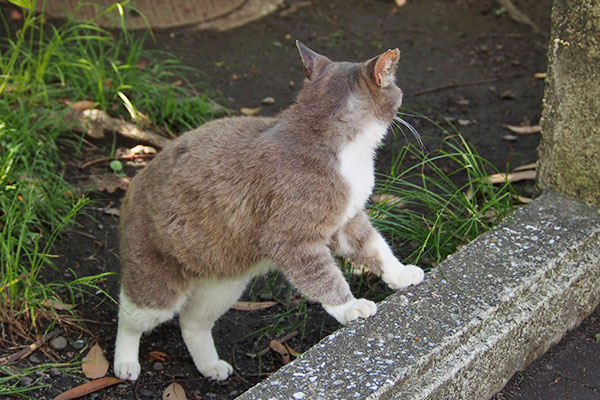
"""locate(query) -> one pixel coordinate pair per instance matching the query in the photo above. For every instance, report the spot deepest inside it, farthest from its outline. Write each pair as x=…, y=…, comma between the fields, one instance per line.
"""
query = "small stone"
x=277, y=43
x=268, y=100
x=509, y=138
x=78, y=344
x=54, y=371
x=26, y=381
x=34, y=359
x=288, y=37
x=157, y=366
x=463, y=122
x=298, y=395
x=122, y=387
x=292, y=84
x=461, y=101
x=58, y=343
x=145, y=392
x=508, y=95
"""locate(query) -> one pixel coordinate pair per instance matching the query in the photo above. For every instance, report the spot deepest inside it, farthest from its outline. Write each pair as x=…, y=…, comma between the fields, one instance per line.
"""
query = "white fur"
x=203, y=303
x=357, y=166
x=210, y=300
x=394, y=273
x=133, y=322
x=352, y=310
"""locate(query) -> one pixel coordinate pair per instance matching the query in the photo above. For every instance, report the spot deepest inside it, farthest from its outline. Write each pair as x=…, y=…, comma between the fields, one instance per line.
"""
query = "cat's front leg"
x=312, y=270
x=352, y=310
x=359, y=241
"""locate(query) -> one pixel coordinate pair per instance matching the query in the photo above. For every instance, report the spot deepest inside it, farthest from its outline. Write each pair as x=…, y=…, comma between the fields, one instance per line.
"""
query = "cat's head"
x=365, y=89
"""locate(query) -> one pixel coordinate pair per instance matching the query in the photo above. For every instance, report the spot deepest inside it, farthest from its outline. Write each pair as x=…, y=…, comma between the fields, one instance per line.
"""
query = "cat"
x=241, y=196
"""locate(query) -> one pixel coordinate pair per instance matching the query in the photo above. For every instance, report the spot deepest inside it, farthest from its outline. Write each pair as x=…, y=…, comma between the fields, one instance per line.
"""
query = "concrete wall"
x=569, y=154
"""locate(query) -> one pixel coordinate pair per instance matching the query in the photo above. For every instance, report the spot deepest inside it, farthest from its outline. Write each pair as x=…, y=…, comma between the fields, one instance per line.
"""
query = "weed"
x=43, y=68
x=436, y=202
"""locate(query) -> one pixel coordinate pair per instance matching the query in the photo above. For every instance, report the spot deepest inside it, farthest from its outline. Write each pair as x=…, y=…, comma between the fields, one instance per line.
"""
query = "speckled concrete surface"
x=485, y=313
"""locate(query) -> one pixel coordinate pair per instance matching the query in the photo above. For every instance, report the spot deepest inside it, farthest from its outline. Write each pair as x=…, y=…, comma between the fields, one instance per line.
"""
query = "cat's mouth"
x=398, y=123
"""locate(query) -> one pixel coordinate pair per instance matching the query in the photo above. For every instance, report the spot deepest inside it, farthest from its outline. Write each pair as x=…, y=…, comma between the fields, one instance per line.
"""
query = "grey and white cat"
x=241, y=196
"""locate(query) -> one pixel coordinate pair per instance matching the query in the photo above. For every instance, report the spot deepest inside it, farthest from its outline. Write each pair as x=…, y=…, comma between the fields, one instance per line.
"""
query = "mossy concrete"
x=569, y=153
x=485, y=313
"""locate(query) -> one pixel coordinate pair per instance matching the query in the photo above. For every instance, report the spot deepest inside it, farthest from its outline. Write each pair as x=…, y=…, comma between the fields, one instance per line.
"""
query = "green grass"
x=45, y=67
x=439, y=201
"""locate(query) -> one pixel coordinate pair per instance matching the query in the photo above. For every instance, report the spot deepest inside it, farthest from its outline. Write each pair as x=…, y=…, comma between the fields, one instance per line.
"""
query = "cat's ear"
x=310, y=59
x=382, y=69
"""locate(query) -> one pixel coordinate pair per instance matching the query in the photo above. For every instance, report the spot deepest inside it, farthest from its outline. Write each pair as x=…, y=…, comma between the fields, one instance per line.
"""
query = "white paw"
x=403, y=276
x=354, y=309
x=219, y=370
x=127, y=370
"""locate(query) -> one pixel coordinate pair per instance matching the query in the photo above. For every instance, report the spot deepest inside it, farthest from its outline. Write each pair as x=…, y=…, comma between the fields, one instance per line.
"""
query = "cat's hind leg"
x=208, y=301
x=133, y=322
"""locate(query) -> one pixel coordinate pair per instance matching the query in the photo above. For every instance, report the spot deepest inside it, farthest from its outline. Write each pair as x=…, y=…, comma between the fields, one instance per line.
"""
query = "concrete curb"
x=485, y=313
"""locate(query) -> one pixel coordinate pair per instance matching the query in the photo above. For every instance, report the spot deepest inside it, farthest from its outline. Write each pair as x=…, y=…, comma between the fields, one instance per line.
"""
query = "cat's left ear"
x=310, y=59
x=382, y=68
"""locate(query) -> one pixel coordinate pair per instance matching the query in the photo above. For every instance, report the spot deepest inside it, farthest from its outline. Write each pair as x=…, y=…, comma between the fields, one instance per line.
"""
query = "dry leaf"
x=15, y=15
x=158, y=356
x=250, y=111
x=253, y=305
x=291, y=350
x=88, y=387
x=513, y=176
x=539, y=75
x=107, y=182
x=524, y=130
x=178, y=82
x=525, y=167
x=280, y=349
x=82, y=105
x=94, y=364
x=141, y=149
x=174, y=392
x=387, y=199
x=523, y=199
x=57, y=305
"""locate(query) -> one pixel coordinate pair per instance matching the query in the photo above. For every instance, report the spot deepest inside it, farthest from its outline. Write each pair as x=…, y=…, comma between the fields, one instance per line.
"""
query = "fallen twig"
x=518, y=16
x=88, y=387
x=267, y=349
x=454, y=85
x=126, y=157
x=29, y=349
x=94, y=123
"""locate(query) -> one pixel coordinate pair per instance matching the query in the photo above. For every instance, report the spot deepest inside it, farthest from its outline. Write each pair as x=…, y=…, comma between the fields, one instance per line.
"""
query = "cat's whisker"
x=412, y=129
x=399, y=128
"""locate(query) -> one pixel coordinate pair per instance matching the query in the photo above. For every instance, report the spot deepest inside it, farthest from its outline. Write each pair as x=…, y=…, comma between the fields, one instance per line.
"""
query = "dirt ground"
x=477, y=66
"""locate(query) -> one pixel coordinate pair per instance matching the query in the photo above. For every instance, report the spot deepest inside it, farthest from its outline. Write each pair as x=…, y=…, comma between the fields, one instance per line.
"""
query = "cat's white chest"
x=357, y=167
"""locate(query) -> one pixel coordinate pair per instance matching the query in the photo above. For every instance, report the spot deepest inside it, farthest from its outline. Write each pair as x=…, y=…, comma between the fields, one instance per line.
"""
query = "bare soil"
x=477, y=65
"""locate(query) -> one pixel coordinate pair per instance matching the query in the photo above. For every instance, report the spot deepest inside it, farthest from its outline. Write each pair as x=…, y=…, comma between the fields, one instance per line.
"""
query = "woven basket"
x=159, y=14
